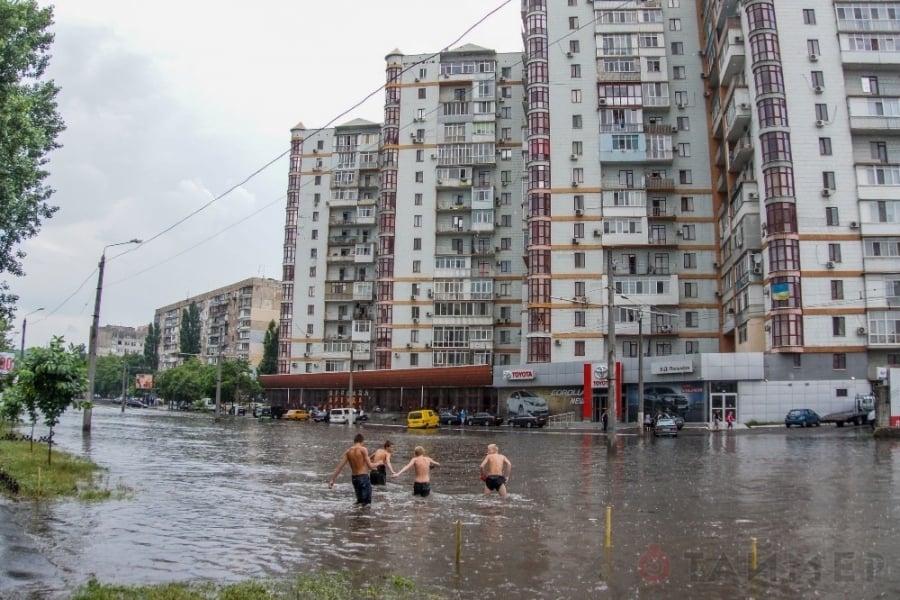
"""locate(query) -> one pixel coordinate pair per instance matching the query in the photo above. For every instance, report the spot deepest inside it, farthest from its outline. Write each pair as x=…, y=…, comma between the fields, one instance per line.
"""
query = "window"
x=574, y=46
x=817, y=78
x=578, y=202
x=417, y=199
x=825, y=146
x=837, y=289
x=575, y=71
x=684, y=123
x=677, y=48
x=674, y=3
x=690, y=289
x=828, y=180
x=869, y=85
x=576, y=96
x=579, y=348
x=812, y=47
x=417, y=266
x=831, y=216
x=684, y=149
x=690, y=260
x=689, y=232
x=691, y=318
x=821, y=112
x=629, y=349
x=576, y=121
x=839, y=361
x=573, y=22
x=417, y=220
x=674, y=24
x=422, y=95
x=310, y=309
x=834, y=252
x=577, y=148
x=578, y=175
x=692, y=347
x=685, y=176
x=809, y=16
x=878, y=151
x=580, y=262
x=678, y=73
x=838, y=326
x=420, y=176
x=417, y=243
x=681, y=98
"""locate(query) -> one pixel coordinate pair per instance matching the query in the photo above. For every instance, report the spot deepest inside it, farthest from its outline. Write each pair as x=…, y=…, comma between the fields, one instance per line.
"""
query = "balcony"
x=660, y=184
x=738, y=114
x=873, y=114
x=878, y=182
x=733, y=52
x=888, y=59
x=740, y=155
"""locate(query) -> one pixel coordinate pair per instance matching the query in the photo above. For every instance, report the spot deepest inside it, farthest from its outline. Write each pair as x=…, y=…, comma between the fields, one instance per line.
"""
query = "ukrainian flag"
x=781, y=291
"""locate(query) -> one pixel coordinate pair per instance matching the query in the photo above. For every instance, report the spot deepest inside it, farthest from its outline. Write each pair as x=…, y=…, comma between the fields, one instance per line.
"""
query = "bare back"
x=358, y=458
x=493, y=464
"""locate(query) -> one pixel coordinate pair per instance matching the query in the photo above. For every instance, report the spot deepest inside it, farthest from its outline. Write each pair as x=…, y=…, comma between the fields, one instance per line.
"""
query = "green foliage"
x=185, y=383
x=6, y=341
x=112, y=370
x=238, y=382
x=189, y=333
x=29, y=125
x=48, y=381
x=269, y=363
x=151, y=347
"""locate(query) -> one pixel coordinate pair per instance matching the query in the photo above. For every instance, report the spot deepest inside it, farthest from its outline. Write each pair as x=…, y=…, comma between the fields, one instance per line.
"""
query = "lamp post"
x=24, y=324
x=612, y=404
x=92, y=343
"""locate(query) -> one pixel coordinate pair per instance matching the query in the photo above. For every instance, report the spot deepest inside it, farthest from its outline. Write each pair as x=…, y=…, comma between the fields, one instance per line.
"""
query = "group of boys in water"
x=367, y=471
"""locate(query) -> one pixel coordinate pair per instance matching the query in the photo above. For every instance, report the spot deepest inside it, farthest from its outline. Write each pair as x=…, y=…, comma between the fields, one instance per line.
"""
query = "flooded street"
x=235, y=498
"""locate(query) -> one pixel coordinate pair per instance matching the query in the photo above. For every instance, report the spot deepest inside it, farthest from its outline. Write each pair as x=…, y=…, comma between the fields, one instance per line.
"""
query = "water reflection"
x=236, y=498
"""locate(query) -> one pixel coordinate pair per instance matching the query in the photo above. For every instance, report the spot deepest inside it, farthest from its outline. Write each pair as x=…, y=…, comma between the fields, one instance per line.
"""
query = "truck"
x=859, y=415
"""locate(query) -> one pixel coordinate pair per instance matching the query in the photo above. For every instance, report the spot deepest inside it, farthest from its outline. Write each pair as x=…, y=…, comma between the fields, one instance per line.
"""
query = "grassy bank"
x=323, y=586
x=25, y=474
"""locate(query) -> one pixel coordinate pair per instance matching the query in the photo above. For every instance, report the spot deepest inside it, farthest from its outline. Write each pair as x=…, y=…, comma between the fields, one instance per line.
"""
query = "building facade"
x=653, y=179
x=233, y=322
x=119, y=340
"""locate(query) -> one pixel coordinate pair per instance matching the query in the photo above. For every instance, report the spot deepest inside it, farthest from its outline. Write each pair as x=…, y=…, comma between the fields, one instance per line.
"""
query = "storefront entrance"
x=722, y=404
x=598, y=405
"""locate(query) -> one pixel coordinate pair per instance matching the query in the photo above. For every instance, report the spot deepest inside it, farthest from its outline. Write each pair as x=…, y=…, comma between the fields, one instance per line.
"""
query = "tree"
x=237, y=382
x=189, y=333
x=151, y=347
x=185, y=383
x=29, y=125
x=50, y=380
x=269, y=363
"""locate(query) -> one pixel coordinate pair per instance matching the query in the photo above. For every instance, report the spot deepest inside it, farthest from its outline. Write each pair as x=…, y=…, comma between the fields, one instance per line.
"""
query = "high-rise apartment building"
x=713, y=176
x=119, y=340
x=804, y=104
x=404, y=240
x=233, y=322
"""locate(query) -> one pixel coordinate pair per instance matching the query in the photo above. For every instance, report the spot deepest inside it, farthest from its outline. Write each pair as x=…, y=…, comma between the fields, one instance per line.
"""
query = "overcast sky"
x=169, y=104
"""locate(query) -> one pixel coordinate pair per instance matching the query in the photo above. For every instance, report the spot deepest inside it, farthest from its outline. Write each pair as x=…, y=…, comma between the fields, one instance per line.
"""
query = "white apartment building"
x=647, y=179
x=119, y=340
x=233, y=322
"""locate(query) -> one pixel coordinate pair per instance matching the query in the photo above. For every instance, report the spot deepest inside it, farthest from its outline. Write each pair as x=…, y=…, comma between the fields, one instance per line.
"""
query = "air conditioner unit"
x=306, y=355
x=602, y=101
x=757, y=269
x=818, y=89
x=506, y=320
x=707, y=94
x=718, y=294
x=829, y=264
x=679, y=232
x=597, y=233
x=574, y=184
x=409, y=345
x=744, y=105
x=557, y=343
x=428, y=344
x=854, y=225
x=813, y=58
x=753, y=196
x=430, y=293
x=578, y=212
x=827, y=192
x=704, y=75
x=861, y=331
x=434, y=157
x=820, y=123
x=440, y=181
x=674, y=128
x=716, y=264
x=315, y=150
x=428, y=314
x=738, y=39
x=416, y=321
x=682, y=105
x=502, y=99
x=665, y=328
x=573, y=157
x=413, y=297
x=739, y=243
x=575, y=241
x=569, y=54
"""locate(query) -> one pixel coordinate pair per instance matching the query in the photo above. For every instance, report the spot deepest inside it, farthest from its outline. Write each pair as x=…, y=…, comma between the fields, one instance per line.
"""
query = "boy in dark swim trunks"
x=382, y=455
x=492, y=471
x=360, y=465
x=422, y=466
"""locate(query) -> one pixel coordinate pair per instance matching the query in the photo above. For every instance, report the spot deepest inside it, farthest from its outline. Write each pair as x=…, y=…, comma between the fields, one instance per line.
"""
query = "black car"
x=448, y=417
x=484, y=418
x=527, y=420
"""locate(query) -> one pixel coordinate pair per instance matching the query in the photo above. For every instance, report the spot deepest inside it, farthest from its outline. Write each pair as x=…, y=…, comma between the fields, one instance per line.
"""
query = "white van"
x=342, y=416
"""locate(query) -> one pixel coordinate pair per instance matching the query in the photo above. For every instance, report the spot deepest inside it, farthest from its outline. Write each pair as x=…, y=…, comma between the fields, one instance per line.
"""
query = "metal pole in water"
x=608, y=543
x=753, y=555
x=458, y=541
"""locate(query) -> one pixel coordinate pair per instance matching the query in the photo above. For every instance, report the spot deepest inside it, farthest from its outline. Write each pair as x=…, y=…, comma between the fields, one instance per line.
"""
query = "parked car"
x=801, y=417
x=360, y=415
x=448, y=417
x=665, y=426
x=523, y=401
x=297, y=414
x=484, y=418
x=422, y=419
x=262, y=412
x=527, y=420
x=679, y=420
x=341, y=416
x=318, y=415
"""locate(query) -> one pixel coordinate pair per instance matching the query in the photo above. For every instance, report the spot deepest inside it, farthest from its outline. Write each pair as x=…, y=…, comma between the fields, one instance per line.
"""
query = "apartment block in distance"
x=805, y=109
x=410, y=253
x=119, y=340
x=233, y=322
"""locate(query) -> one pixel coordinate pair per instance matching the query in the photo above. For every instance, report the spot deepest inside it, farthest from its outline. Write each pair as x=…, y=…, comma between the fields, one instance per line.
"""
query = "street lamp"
x=24, y=324
x=92, y=343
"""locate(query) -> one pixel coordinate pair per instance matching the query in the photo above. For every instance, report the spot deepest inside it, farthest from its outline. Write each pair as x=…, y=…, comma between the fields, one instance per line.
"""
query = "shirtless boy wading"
x=421, y=465
x=360, y=465
x=492, y=471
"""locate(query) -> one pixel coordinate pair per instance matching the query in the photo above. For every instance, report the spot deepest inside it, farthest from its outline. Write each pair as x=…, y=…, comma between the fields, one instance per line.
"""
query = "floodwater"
x=235, y=498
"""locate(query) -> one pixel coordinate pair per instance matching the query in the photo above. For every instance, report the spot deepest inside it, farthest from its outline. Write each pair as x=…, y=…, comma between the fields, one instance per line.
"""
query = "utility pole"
x=219, y=380
x=124, y=378
x=350, y=379
x=641, y=367
x=612, y=406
